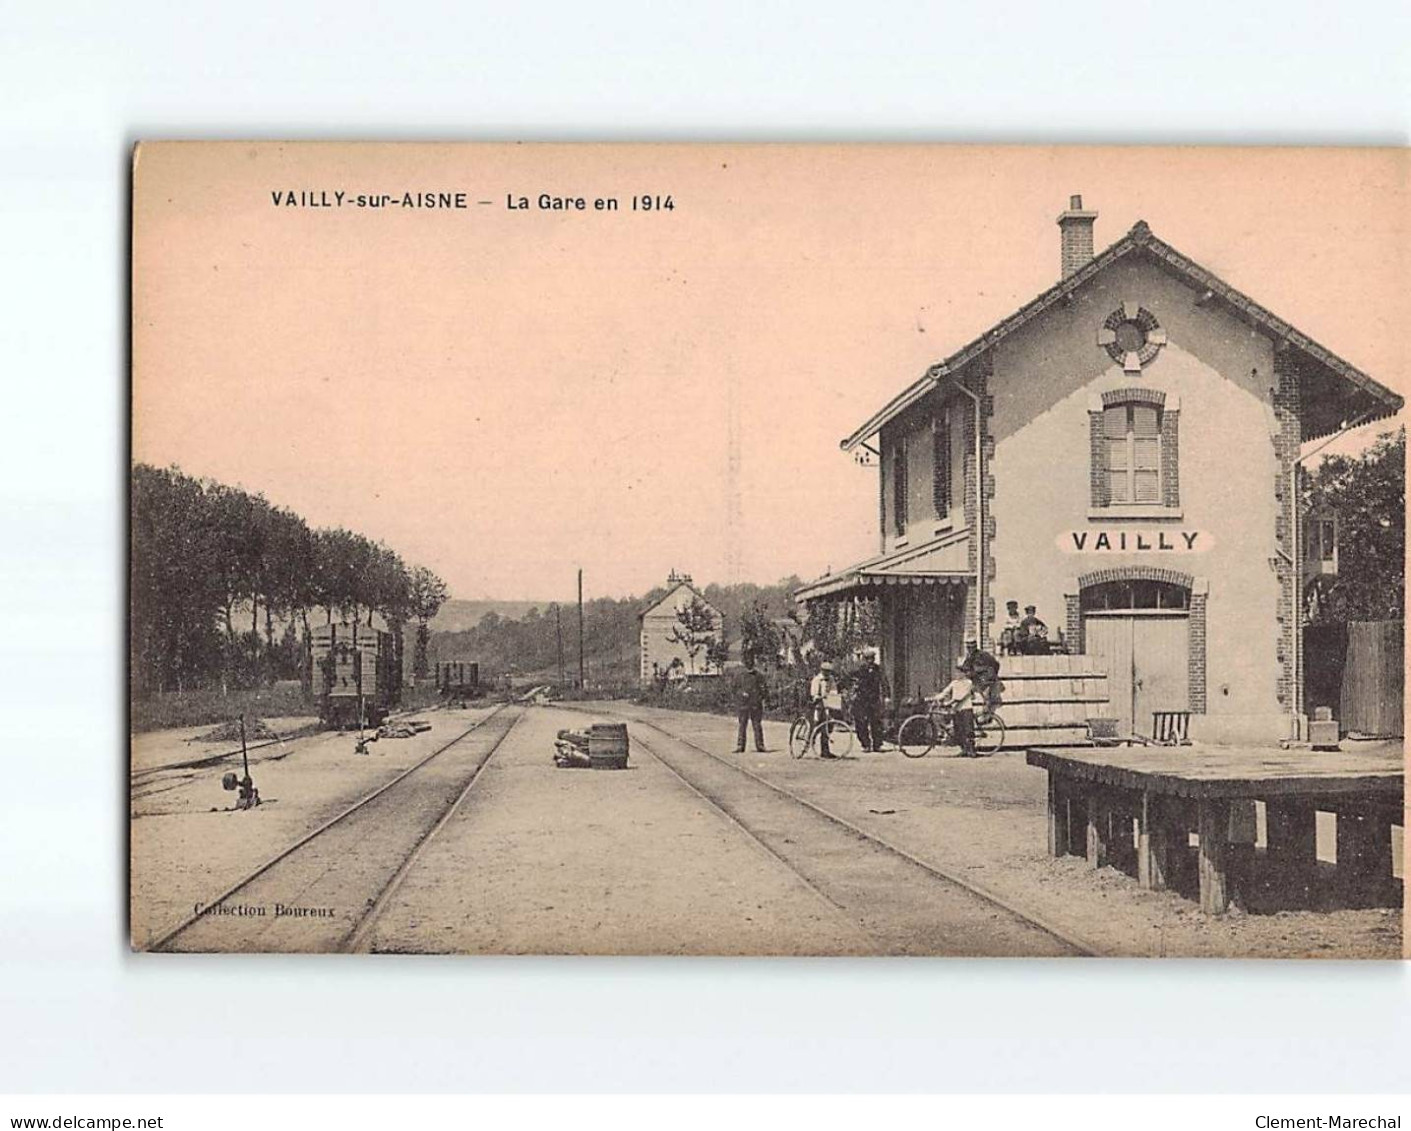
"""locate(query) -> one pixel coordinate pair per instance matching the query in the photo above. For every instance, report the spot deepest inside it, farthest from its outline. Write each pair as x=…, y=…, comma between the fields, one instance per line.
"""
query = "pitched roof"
x=1378, y=400
x=671, y=592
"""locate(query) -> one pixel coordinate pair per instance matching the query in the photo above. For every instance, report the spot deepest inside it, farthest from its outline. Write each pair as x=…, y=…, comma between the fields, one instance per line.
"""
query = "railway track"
x=141, y=778
x=326, y=891
x=860, y=873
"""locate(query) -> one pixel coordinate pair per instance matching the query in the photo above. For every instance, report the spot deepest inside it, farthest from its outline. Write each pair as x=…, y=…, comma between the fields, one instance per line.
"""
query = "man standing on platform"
x=751, y=692
x=827, y=703
x=870, y=695
x=1033, y=633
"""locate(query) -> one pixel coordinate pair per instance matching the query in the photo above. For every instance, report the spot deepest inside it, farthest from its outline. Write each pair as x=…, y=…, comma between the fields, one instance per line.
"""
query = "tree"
x=427, y=593
x=759, y=639
x=838, y=630
x=1367, y=495
x=177, y=593
x=717, y=653
x=694, y=629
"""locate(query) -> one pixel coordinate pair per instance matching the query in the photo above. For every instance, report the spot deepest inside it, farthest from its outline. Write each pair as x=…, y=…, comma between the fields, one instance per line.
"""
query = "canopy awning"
x=942, y=561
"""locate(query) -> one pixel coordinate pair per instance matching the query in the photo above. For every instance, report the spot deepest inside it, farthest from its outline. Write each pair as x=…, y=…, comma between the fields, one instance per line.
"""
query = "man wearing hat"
x=751, y=692
x=1009, y=638
x=871, y=693
x=1033, y=633
x=826, y=698
x=961, y=694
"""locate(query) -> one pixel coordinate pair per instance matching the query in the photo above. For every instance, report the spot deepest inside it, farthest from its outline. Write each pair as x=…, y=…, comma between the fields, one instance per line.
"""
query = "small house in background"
x=676, y=632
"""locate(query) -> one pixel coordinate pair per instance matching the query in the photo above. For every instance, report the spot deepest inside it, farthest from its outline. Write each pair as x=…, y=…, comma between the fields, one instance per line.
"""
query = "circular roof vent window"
x=1132, y=336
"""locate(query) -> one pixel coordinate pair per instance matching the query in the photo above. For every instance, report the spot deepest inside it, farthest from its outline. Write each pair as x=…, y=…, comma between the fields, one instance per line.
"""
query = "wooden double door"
x=1147, y=654
x=927, y=637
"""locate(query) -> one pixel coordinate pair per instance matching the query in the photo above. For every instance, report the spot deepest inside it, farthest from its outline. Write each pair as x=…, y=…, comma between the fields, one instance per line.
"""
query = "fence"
x=1358, y=669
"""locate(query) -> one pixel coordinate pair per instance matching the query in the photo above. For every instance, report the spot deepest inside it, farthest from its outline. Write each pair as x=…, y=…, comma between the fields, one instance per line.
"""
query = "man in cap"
x=961, y=695
x=750, y=694
x=826, y=698
x=1009, y=638
x=868, y=700
x=1033, y=633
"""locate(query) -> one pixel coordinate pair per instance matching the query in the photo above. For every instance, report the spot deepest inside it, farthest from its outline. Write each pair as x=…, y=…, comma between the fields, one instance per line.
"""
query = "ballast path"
x=905, y=906
x=315, y=897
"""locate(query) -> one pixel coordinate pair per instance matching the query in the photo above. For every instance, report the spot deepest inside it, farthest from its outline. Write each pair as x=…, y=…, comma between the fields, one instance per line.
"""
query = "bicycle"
x=804, y=735
x=919, y=734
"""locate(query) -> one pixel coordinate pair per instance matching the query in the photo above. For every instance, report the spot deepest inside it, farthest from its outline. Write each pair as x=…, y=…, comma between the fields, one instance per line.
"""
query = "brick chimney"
x=1077, y=236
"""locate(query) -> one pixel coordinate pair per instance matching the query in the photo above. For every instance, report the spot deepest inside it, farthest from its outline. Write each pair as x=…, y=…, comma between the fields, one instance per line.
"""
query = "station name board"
x=1099, y=541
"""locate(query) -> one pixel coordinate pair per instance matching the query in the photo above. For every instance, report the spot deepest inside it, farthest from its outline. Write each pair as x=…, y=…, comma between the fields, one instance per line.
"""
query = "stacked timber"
x=1048, y=700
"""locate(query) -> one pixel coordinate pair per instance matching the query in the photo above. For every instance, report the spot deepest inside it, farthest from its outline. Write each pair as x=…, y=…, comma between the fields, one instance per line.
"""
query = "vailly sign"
x=1100, y=541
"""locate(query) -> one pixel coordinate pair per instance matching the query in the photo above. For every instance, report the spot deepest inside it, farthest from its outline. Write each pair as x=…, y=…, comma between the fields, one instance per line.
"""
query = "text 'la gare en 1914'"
x=548, y=202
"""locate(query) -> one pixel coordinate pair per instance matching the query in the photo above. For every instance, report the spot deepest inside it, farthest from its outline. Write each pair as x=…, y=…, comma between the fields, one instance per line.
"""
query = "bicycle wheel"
x=916, y=736
x=989, y=734
x=799, y=734
x=840, y=738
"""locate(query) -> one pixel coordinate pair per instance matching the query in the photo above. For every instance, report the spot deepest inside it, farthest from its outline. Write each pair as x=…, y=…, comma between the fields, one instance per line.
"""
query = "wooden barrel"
x=607, y=745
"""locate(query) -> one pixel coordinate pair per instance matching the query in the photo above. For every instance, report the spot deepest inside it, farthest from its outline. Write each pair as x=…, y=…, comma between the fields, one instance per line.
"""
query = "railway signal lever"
x=249, y=795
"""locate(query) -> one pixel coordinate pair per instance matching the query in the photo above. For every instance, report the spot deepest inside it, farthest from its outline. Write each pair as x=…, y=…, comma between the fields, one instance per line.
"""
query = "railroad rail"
x=137, y=778
x=1073, y=943
x=356, y=935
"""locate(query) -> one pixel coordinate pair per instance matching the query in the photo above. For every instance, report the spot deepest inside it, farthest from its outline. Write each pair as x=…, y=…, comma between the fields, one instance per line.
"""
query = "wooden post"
x=1364, y=852
x=1121, y=849
x=582, y=670
x=1293, y=848
x=1060, y=835
x=1154, y=864
x=1213, y=827
x=1099, y=831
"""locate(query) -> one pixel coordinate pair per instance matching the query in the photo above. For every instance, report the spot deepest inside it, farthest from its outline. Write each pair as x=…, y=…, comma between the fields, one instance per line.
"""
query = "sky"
x=508, y=395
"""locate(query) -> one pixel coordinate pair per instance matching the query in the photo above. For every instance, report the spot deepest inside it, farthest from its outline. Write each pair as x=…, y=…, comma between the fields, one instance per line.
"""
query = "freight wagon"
x=357, y=674
x=457, y=680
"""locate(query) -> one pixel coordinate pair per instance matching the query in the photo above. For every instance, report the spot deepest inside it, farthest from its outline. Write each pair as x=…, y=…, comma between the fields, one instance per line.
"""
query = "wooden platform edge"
x=1391, y=783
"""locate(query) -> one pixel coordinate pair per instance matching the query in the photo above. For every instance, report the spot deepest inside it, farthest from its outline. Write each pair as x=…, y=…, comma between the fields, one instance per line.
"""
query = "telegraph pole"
x=558, y=633
x=580, y=629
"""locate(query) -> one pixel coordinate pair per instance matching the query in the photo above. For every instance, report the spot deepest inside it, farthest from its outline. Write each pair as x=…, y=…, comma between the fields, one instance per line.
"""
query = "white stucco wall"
x=1220, y=372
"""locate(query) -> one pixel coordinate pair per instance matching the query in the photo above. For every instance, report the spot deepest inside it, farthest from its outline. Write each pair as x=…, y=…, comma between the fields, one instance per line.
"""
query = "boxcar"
x=357, y=673
x=457, y=679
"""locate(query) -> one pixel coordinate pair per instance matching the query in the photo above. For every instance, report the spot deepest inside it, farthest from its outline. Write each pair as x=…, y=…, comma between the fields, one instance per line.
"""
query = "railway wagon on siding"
x=357, y=674
x=458, y=680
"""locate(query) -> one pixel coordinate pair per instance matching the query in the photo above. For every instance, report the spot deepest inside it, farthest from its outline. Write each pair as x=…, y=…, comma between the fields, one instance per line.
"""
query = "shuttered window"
x=940, y=467
x=1132, y=435
x=899, y=487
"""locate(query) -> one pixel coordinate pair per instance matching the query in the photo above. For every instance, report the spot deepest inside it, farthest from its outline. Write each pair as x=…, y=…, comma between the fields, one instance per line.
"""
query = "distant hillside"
x=520, y=637
x=461, y=616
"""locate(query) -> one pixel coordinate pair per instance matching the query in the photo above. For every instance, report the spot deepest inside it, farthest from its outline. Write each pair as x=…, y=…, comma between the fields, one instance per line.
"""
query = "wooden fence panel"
x=1373, y=679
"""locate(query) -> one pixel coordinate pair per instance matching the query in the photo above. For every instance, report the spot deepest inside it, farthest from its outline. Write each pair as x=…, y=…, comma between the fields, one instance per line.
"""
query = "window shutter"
x=1097, y=458
x=899, y=487
x=941, y=470
x=1170, y=463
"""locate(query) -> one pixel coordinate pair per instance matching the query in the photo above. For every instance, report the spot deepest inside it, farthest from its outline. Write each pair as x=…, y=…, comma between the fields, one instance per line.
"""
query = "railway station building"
x=1124, y=453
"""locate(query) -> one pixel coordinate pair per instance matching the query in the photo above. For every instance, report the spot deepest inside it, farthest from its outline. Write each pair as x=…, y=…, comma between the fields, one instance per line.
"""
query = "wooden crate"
x=1047, y=700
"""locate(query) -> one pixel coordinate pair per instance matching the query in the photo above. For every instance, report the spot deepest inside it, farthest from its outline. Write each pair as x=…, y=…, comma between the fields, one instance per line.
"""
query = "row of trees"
x=224, y=585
